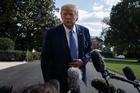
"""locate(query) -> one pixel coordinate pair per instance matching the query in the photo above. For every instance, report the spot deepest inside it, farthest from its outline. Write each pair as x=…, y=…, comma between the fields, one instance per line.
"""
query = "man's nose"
x=68, y=16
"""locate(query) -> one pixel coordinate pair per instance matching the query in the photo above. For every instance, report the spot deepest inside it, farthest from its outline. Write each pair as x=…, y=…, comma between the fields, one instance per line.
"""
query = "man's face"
x=69, y=18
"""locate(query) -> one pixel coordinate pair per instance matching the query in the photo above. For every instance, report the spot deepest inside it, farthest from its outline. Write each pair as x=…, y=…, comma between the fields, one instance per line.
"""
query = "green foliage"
x=139, y=60
x=107, y=54
x=30, y=56
x=16, y=55
x=34, y=17
x=6, y=44
x=12, y=55
x=106, y=20
x=8, y=25
x=124, y=28
x=25, y=21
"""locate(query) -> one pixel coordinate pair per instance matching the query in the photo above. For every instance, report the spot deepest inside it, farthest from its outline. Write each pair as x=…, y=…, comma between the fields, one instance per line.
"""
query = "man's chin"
x=69, y=26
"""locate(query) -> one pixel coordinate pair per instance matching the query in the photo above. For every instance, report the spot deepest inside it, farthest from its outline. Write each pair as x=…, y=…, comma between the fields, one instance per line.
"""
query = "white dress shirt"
x=74, y=34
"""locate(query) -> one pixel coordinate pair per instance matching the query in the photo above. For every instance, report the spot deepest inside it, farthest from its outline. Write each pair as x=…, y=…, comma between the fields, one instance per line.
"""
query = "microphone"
x=6, y=89
x=74, y=77
x=99, y=65
x=55, y=83
x=98, y=61
x=130, y=75
x=102, y=87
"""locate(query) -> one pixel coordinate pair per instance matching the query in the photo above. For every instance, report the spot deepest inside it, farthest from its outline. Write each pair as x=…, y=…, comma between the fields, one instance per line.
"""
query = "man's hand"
x=76, y=63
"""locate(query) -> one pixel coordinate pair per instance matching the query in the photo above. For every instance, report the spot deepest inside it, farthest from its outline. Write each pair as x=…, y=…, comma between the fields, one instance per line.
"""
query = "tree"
x=6, y=44
x=106, y=20
x=124, y=27
x=27, y=22
x=34, y=17
x=8, y=25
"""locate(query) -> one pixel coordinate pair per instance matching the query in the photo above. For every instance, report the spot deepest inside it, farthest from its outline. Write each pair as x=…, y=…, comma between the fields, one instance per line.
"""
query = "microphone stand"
x=105, y=76
x=136, y=84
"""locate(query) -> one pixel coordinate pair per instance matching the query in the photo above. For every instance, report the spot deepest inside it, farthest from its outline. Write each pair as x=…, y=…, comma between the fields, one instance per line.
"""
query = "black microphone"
x=6, y=89
x=98, y=61
x=130, y=75
x=74, y=78
x=99, y=65
x=101, y=86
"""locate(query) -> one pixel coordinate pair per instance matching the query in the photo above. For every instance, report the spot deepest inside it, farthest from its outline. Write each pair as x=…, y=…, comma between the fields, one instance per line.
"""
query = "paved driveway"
x=30, y=73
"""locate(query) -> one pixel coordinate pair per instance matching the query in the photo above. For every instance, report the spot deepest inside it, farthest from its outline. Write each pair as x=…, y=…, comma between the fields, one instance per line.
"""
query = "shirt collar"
x=67, y=29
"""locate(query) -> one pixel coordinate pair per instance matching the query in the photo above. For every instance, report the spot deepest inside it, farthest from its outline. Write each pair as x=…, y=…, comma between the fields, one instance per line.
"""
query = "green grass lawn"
x=118, y=64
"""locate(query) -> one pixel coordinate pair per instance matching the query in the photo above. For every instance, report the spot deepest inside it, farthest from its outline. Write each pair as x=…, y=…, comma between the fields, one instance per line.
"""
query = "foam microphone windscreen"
x=55, y=83
x=130, y=75
x=74, y=78
x=101, y=85
x=97, y=61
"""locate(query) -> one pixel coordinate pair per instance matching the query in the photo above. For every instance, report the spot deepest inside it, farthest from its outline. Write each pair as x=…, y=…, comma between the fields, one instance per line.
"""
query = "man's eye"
x=71, y=14
x=64, y=14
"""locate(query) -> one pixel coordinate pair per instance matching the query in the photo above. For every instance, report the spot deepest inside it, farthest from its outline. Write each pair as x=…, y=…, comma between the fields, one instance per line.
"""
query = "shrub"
x=6, y=44
x=107, y=54
x=17, y=55
x=139, y=60
x=30, y=56
x=12, y=55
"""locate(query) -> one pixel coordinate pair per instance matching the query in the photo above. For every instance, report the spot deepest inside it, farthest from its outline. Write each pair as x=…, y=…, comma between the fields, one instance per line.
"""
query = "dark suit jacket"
x=56, y=55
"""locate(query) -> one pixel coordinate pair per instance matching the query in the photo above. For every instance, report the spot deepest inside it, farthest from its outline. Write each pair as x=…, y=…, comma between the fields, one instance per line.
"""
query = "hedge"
x=6, y=44
x=107, y=54
x=16, y=55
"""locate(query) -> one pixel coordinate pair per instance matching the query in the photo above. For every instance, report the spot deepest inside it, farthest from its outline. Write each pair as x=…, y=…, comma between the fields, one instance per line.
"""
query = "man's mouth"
x=68, y=22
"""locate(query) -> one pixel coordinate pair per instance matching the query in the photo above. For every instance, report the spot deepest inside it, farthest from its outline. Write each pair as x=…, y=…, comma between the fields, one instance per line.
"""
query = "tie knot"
x=71, y=31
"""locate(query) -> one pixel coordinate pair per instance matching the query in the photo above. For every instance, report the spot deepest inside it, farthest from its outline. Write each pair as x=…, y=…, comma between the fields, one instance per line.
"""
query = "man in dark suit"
x=65, y=45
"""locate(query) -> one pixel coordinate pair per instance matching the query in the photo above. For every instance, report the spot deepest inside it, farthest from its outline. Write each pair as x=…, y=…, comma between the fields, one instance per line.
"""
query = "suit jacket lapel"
x=64, y=41
x=79, y=35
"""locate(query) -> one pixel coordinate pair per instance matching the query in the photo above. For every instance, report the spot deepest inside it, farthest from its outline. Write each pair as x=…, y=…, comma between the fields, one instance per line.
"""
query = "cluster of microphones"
x=102, y=85
x=105, y=87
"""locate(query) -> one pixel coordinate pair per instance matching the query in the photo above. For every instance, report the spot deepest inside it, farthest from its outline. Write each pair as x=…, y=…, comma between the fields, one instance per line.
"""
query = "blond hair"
x=70, y=7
